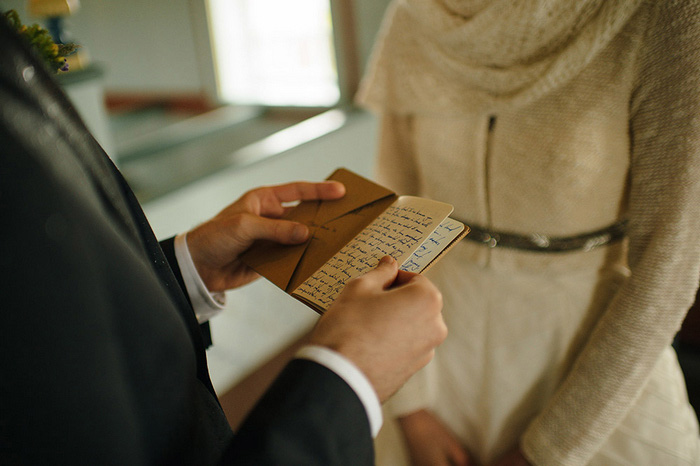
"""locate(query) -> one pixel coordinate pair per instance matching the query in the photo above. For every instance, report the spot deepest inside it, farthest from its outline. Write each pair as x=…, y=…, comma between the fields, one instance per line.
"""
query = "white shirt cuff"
x=353, y=376
x=206, y=305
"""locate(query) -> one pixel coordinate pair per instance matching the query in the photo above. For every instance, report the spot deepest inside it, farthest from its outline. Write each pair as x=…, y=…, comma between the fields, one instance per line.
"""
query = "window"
x=274, y=52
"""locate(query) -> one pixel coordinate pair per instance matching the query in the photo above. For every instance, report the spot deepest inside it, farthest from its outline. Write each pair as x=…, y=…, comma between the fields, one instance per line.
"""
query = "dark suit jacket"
x=102, y=358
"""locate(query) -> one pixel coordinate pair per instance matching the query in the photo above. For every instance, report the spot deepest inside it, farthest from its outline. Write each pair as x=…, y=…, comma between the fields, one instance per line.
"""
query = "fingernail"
x=300, y=233
x=340, y=186
x=386, y=260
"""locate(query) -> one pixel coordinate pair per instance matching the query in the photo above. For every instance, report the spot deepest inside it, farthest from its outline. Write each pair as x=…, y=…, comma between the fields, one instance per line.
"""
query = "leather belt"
x=546, y=243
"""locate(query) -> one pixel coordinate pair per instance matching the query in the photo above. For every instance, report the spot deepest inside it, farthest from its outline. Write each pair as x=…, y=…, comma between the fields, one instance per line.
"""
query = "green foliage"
x=54, y=55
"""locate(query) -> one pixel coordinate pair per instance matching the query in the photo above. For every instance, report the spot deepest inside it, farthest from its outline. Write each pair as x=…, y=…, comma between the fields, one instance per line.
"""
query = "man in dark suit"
x=102, y=356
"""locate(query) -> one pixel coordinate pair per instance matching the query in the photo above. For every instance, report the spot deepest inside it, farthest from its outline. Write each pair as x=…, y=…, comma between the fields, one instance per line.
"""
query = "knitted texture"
x=664, y=197
x=465, y=55
x=579, y=143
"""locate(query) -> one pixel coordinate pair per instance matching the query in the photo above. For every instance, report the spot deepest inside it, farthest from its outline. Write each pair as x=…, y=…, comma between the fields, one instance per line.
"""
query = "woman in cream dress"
x=567, y=135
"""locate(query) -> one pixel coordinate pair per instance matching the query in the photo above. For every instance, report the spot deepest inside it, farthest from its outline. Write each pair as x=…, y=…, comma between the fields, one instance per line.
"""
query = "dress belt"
x=546, y=243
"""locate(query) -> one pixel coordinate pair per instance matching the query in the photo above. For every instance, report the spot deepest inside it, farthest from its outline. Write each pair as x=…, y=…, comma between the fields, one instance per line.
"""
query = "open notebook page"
x=439, y=239
x=403, y=227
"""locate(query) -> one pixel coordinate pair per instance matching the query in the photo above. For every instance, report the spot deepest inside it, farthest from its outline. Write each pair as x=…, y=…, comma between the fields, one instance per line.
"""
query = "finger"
x=458, y=457
x=305, y=191
x=250, y=228
x=403, y=277
x=270, y=201
x=421, y=290
x=384, y=274
x=286, y=209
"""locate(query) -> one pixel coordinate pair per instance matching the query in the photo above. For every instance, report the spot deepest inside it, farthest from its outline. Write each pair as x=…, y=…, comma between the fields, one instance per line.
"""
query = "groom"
x=102, y=357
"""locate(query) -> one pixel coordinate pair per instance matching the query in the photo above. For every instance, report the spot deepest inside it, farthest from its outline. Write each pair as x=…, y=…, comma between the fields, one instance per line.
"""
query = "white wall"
x=160, y=45
x=144, y=45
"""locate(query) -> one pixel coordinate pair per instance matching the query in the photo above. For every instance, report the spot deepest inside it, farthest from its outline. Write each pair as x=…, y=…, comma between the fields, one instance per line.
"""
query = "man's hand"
x=216, y=245
x=387, y=323
x=429, y=441
x=514, y=458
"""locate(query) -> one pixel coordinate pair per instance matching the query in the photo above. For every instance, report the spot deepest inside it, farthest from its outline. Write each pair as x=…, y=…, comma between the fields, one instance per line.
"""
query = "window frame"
x=344, y=44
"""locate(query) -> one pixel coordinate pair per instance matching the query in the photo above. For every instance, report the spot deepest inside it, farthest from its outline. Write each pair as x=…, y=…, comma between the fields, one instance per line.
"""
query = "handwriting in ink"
x=432, y=246
x=396, y=232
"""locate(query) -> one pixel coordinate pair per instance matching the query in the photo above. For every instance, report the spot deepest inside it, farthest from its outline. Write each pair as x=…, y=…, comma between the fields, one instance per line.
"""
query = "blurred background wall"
x=162, y=45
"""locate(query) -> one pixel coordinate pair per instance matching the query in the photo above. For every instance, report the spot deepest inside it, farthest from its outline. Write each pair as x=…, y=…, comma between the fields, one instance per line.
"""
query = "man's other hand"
x=216, y=245
x=387, y=323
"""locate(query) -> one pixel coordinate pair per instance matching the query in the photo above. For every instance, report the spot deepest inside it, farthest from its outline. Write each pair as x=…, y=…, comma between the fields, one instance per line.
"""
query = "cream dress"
x=565, y=354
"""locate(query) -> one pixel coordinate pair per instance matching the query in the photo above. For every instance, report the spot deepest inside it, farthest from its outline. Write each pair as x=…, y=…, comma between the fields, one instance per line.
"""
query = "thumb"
x=458, y=456
x=252, y=228
x=385, y=272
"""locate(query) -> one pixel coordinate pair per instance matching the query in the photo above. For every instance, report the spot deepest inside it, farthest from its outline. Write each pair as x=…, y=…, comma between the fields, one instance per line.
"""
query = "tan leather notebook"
x=348, y=236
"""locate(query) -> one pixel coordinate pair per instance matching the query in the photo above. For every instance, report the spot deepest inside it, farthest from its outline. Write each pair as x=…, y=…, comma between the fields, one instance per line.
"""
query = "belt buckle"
x=491, y=240
x=539, y=240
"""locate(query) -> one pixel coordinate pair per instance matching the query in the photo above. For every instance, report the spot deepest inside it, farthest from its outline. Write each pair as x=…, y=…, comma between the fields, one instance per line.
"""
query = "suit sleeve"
x=309, y=416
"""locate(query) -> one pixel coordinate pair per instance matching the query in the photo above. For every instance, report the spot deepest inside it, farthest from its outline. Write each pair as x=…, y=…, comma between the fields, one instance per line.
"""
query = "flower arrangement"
x=53, y=54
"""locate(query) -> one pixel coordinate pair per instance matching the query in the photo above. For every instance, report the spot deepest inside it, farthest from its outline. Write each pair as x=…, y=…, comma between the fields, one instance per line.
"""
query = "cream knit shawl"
x=466, y=56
